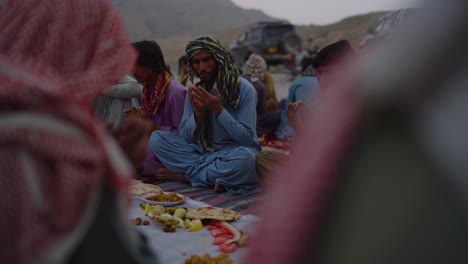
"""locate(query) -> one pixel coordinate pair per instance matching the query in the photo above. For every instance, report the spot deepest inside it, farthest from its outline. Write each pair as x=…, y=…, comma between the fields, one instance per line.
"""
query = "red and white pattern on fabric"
x=300, y=196
x=55, y=56
x=153, y=97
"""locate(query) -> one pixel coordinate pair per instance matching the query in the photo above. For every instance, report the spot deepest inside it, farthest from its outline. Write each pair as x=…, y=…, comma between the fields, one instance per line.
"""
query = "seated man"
x=183, y=70
x=300, y=93
x=111, y=105
x=304, y=90
x=271, y=100
x=217, y=141
x=266, y=78
x=267, y=122
x=162, y=98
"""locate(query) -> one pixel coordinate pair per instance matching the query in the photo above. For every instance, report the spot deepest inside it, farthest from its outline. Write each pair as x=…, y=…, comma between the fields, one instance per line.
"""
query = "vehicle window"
x=379, y=28
x=242, y=37
x=276, y=32
x=387, y=25
x=246, y=36
x=256, y=34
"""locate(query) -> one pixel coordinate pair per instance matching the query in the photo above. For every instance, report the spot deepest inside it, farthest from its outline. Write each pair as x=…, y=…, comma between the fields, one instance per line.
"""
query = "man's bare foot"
x=219, y=188
x=163, y=174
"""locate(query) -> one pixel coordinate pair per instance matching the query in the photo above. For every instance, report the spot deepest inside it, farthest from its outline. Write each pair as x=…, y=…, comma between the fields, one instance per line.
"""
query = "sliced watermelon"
x=220, y=240
x=228, y=248
x=225, y=235
x=236, y=233
x=218, y=231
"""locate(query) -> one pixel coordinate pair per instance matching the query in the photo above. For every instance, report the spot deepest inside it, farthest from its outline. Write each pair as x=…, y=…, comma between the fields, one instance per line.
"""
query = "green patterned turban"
x=228, y=79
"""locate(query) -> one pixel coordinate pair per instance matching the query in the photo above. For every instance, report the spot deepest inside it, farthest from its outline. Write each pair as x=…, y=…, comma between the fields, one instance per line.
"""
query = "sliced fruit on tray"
x=196, y=225
x=227, y=236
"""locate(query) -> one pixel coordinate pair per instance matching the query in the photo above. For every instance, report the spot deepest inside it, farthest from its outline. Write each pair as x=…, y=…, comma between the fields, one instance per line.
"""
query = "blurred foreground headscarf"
x=437, y=106
x=227, y=82
x=55, y=56
x=255, y=67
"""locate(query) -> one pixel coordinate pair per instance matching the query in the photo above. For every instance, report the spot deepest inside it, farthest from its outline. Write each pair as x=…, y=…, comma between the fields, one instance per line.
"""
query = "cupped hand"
x=196, y=99
x=295, y=112
x=132, y=111
x=211, y=102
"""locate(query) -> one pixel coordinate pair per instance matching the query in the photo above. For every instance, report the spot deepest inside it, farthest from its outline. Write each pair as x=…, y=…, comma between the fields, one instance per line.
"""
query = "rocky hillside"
x=174, y=22
x=160, y=19
x=353, y=28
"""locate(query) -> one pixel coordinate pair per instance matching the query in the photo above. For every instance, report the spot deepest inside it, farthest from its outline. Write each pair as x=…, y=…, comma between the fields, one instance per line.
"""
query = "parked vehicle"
x=385, y=25
x=277, y=42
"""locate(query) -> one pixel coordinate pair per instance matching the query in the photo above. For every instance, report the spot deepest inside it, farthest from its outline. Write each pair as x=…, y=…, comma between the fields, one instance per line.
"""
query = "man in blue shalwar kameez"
x=217, y=141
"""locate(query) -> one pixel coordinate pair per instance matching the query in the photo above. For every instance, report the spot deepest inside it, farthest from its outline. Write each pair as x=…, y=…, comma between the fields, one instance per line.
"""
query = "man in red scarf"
x=162, y=98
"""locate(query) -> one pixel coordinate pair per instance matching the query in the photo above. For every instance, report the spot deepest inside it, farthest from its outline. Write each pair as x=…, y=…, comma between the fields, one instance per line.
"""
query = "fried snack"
x=244, y=240
x=164, y=197
x=169, y=229
x=221, y=259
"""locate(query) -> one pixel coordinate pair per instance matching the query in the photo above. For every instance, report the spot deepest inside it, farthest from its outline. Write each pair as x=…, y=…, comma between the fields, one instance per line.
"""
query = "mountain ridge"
x=172, y=23
x=149, y=19
x=353, y=28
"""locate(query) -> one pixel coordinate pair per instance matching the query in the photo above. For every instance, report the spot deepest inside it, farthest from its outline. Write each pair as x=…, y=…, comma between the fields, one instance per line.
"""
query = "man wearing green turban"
x=217, y=141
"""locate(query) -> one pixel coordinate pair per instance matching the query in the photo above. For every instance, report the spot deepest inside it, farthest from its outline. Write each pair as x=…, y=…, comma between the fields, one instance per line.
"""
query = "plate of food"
x=162, y=198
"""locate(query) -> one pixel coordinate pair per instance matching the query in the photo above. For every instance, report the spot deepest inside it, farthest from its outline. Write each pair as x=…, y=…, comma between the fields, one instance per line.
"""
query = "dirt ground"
x=282, y=83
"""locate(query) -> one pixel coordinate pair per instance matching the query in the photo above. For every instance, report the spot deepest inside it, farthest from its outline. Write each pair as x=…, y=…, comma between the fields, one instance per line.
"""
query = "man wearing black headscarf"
x=328, y=62
x=217, y=141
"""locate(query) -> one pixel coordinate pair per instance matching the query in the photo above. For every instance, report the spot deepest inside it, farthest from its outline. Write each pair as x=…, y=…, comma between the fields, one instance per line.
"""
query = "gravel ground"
x=282, y=83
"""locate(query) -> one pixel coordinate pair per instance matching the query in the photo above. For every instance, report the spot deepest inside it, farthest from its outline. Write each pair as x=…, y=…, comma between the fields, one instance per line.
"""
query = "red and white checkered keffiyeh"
x=55, y=56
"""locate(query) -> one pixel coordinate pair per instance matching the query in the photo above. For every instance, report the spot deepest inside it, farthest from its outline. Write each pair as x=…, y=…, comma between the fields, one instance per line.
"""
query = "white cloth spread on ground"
x=170, y=247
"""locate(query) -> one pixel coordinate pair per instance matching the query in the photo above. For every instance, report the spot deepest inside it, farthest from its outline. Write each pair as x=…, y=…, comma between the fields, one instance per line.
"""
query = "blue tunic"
x=303, y=89
x=233, y=133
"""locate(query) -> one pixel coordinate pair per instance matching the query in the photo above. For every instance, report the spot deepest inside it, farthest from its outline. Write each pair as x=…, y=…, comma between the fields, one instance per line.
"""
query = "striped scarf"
x=227, y=81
